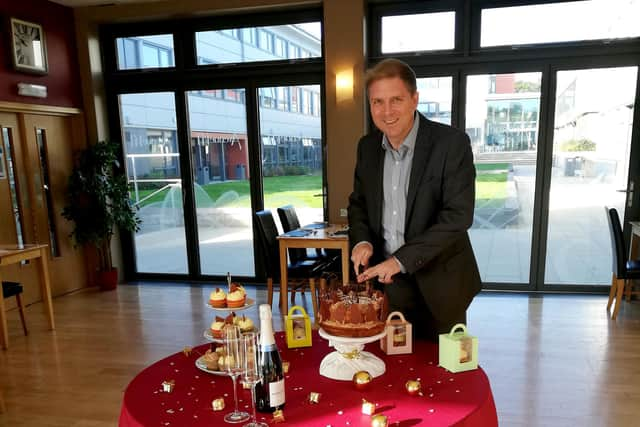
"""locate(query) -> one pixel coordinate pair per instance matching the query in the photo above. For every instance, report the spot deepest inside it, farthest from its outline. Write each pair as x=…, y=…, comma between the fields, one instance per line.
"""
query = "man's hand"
x=383, y=271
x=360, y=256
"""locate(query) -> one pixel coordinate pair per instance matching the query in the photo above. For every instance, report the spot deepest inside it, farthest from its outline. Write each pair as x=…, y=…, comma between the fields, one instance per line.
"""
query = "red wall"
x=62, y=82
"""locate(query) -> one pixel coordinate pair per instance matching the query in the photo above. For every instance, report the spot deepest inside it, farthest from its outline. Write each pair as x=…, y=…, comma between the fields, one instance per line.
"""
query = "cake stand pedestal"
x=349, y=357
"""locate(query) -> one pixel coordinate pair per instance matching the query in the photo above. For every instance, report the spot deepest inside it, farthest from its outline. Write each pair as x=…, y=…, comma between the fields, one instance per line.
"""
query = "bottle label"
x=268, y=348
x=276, y=393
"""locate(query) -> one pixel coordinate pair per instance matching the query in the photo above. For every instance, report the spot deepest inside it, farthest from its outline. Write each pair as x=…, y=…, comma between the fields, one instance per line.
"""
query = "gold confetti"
x=167, y=386
x=278, y=416
x=314, y=397
x=368, y=408
x=217, y=404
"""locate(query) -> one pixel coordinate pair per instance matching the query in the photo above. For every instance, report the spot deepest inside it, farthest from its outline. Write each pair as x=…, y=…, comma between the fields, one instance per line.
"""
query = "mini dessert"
x=352, y=311
x=245, y=324
x=211, y=359
x=218, y=298
x=235, y=286
x=216, y=327
x=237, y=296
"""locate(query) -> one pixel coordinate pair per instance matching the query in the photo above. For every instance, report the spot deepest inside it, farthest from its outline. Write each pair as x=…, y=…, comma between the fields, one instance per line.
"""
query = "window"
x=267, y=43
x=41, y=140
x=198, y=222
x=562, y=22
x=279, y=46
x=145, y=52
x=421, y=32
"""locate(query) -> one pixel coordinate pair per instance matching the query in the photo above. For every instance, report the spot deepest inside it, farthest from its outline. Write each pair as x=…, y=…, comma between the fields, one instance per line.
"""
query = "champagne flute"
x=233, y=364
x=252, y=371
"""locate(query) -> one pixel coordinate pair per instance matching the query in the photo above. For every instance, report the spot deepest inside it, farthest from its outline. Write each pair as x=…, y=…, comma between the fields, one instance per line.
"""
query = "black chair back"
x=618, y=252
x=288, y=218
x=268, y=233
x=10, y=289
x=289, y=221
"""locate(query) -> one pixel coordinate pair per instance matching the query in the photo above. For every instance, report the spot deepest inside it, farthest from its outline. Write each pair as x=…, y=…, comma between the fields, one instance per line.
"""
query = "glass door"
x=291, y=142
x=220, y=167
x=502, y=120
x=152, y=156
x=591, y=152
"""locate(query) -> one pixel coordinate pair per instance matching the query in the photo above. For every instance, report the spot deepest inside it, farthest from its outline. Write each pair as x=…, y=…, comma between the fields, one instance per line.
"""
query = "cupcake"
x=236, y=297
x=237, y=287
x=245, y=324
x=218, y=298
x=216, y=327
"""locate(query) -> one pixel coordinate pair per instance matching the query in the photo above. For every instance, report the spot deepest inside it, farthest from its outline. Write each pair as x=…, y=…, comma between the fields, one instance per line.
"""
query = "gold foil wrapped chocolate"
x=285, y=367
x=167, y=386
x=362, y=379
x=187, y=351
x=314, y=397
x=278, y=416
x=218, y=404
x=413, y=387
x=368, y=408
x=379, y=421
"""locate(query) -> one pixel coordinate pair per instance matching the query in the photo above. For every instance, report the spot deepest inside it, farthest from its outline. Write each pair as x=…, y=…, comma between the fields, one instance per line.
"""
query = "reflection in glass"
x=418, y=32
x=10, y=173
x=277, y=42
x=502, y=118
x=291, y=139
x=591, y=145
x=562, y=22
x=145, y=52
x=41, y=141
x=220, y=153
x=153, y=169
x=435, y=95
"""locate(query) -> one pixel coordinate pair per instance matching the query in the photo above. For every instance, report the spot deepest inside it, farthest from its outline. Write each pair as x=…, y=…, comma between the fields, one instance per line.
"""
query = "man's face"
x=392, y=108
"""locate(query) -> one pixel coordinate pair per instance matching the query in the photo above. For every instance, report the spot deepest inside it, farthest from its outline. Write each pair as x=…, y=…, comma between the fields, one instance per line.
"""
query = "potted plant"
x=98, y=201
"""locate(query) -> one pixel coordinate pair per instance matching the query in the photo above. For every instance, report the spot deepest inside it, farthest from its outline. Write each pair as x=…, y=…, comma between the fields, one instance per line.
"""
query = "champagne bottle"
x=270, y=390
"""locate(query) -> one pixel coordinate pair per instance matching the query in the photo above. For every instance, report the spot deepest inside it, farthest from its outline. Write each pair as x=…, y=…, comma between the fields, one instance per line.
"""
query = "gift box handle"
x=458, y=326
x=297, y=307
x=395, y=313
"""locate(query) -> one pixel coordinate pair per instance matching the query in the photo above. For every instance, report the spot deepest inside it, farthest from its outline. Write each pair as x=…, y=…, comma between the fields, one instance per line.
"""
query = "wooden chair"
x=10, y=289
x=624, y=271
x=300, y=272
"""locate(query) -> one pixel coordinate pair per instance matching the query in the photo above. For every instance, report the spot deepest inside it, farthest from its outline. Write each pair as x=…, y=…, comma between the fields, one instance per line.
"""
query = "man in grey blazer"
x=411, y=206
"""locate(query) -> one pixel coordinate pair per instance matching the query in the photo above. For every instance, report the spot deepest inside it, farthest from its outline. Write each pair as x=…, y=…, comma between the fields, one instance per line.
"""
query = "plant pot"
x=108, y=280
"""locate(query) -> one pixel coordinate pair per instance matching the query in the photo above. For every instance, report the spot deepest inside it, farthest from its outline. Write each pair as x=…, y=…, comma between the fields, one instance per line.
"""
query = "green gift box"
x=458, y=351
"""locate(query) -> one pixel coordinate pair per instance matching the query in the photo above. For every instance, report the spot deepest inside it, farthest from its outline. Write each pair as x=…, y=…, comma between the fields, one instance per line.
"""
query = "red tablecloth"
x=462, y=399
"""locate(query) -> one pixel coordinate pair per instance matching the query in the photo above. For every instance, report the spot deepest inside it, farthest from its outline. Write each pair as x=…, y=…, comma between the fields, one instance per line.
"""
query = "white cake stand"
x=349, y=357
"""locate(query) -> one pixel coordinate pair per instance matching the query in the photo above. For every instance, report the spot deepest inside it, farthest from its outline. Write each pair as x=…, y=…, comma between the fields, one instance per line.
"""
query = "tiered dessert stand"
x=349, y=357
x=207, y=332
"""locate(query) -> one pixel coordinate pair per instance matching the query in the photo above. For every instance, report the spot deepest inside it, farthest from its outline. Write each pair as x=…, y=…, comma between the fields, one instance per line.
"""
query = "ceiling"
x=81, y=3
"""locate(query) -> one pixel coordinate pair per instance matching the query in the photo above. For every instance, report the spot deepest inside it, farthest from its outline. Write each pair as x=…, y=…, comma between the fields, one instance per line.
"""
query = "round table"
x=462, y=399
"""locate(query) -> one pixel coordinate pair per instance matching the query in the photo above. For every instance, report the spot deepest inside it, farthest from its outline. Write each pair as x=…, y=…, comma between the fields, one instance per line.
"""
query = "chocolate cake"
x=352, y=311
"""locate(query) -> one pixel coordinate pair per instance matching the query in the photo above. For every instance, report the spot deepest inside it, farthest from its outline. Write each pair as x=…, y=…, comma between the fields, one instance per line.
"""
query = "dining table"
x=320, y=236
x=14, y=254
x=446, y=399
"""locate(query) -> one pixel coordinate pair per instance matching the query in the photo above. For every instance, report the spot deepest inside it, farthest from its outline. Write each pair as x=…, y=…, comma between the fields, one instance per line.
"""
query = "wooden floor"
x=553, y=360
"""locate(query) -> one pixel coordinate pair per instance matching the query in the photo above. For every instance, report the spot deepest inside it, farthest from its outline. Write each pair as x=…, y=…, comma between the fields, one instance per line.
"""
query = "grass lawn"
x=300, y=191
x=279, y=190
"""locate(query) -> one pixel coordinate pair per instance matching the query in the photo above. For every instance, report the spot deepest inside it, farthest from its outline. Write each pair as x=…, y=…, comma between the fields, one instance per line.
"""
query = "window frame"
x=187, y=75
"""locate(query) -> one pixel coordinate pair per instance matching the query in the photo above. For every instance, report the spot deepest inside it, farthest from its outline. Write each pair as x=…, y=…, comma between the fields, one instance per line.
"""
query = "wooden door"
x=41, y=148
